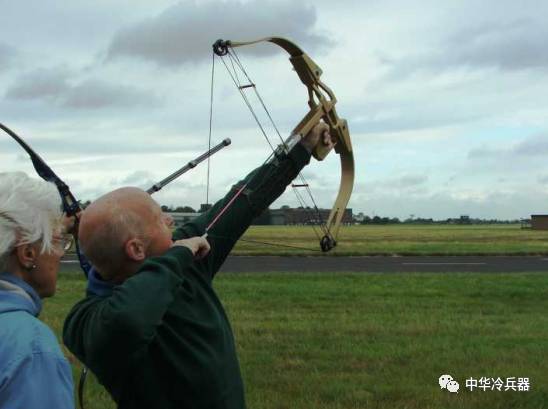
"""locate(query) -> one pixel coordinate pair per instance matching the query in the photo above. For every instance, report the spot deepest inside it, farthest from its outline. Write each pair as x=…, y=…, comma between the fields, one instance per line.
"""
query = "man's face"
x=159, y=233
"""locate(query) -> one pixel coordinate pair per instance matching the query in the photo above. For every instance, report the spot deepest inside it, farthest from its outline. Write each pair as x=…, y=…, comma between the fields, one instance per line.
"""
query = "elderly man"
x=160, y=338
x=34, y=373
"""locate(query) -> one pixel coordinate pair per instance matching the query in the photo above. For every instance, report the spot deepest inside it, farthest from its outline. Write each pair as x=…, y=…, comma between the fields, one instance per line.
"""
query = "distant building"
x=539, y=221
x=181, y=218
x=463, y=219
x=282, y=216
x=204, y=207
x=285, y=216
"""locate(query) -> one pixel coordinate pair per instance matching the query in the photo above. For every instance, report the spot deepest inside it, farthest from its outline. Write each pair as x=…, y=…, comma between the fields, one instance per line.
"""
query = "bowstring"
x=237, y=82
x=265, y=242
x=234, y=76
x=322, y=225
x=210, y=125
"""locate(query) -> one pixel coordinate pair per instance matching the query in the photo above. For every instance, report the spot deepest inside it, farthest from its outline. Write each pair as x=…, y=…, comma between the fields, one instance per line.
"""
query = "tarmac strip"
x=377, y=264
x=479, y=264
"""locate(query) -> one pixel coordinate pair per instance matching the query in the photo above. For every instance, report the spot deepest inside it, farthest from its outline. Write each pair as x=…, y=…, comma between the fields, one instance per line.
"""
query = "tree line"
x=420, y=220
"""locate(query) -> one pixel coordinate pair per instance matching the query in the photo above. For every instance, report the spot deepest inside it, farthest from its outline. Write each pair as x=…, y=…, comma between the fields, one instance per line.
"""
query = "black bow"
x=71, y=206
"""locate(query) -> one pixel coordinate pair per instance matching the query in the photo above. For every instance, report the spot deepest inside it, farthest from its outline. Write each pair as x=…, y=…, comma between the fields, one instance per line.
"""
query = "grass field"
x=345, y=341
x=401, y=240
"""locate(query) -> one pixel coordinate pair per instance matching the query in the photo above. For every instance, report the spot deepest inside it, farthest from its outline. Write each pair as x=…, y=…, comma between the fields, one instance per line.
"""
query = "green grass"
x=401, y=240
x=346, y=341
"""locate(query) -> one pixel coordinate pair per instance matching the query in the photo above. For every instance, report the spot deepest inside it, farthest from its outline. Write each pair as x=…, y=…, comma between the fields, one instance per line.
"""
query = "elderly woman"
x=33, y=371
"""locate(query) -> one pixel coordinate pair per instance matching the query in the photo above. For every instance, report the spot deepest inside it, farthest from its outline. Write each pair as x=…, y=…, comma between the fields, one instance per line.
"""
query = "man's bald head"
x=106, y=207
x=109, y=222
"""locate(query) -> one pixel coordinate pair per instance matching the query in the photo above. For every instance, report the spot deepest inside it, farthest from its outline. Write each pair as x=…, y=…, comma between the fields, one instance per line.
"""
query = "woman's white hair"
x=30, y=211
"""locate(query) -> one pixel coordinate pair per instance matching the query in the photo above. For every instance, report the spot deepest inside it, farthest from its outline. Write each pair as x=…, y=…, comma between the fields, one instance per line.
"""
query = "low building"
x=276, y=217
x=539, y=221
x=181, y=218
x=525, y=223
x=300, y=216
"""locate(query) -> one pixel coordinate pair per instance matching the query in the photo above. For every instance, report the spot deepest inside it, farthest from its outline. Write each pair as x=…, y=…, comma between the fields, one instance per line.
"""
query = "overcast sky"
x=447, y=102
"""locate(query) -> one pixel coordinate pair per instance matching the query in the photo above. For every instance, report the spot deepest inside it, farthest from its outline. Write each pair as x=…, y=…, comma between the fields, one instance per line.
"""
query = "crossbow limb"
x=321, y=101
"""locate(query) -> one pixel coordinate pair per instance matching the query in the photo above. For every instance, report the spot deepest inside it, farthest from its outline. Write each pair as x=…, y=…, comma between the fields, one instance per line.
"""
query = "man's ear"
x=135, y=249
x=26, y=255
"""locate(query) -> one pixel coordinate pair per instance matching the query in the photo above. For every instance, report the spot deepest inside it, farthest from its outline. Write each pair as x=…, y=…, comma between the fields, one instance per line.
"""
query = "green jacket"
x=162, y=339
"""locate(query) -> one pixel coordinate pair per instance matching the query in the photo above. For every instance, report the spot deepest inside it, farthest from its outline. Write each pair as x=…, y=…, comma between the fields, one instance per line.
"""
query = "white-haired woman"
x=34, y=373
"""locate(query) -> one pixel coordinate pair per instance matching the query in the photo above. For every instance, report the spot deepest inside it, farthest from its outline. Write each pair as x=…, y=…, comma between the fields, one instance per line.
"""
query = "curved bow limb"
x=321, y=101
x=71, y=206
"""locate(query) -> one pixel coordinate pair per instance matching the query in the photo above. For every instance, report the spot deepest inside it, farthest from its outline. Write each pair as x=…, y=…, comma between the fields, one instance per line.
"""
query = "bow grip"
x=340, y=134
x=308, y=122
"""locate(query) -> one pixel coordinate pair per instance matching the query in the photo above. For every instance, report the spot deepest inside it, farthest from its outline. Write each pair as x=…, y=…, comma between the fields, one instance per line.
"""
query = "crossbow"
x=321, y=103
x=71, y=206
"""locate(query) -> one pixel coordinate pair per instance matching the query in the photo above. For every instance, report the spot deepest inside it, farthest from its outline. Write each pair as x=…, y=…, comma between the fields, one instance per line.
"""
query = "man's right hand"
x=318, y=137
x=198, y=245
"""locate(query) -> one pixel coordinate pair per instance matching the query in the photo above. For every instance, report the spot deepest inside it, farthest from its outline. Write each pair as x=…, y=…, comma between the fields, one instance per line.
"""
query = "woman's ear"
x=26, y=255
x=135, y=249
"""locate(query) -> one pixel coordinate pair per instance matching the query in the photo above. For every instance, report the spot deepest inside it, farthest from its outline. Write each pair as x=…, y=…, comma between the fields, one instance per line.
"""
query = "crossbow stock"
x=321, y=101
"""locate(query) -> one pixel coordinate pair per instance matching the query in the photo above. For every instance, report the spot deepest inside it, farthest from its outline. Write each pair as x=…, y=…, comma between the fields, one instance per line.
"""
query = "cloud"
x=138, y=178
x=536, y=145
x=40, y=84
x=509, y=46
x=186, y=31
x=378, y=117
x=95, y=94
x=485, y=152
x=513, y=45
x=56, y=85
x=543, y=179
x=142, y=179
x=406, y=181
x=103, y=147
x=7, y=55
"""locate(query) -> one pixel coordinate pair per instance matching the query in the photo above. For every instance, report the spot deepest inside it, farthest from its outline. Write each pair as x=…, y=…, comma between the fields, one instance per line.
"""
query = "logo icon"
x=453, y=386
x=447, y=382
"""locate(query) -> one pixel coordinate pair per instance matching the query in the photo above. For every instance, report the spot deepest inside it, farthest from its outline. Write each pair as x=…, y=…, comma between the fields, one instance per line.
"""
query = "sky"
x=447, y=102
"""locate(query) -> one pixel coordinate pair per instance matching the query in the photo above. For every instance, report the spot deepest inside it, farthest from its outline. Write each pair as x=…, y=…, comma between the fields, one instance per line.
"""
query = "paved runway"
x=477, y=264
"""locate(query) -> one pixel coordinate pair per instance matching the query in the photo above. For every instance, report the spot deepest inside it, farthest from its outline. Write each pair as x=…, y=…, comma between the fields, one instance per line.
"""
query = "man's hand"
x=168, y=220
x=198, y=245
x=68, y=223
x=318, y=134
